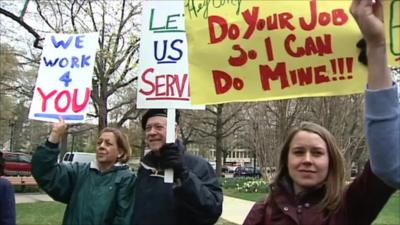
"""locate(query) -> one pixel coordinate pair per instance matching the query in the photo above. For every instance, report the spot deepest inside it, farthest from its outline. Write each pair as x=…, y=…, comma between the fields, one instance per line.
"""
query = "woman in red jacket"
x=309, y=187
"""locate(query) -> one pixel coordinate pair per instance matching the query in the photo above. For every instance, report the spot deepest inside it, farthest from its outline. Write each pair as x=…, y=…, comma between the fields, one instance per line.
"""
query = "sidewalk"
x=31, y=197
x=235, y=210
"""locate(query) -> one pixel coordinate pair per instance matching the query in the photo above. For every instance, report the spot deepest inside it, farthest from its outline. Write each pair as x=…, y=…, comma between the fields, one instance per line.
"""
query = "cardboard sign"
x=163, y=68
x=64, y=81
x=267, y=50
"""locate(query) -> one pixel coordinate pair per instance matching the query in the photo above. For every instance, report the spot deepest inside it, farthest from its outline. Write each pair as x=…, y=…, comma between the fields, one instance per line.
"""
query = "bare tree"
x=219, y=122
x=113, y=90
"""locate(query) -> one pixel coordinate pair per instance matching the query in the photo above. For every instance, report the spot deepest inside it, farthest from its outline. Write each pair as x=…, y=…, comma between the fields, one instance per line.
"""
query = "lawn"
x=51, y=213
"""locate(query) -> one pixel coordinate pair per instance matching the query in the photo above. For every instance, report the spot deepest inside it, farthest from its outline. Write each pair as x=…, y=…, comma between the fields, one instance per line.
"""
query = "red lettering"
x=268, y=48
x=284, y=20
x=313, y=13
x=146, y=81
x=232, y=30
x=318, y=46
x=251, y=20
x=272, y=22
x=79, y=107
x=267, y=74
x=165, y=85
x=305, y=75
x=181, y=87
x=239, y=60
x=171, y=80
x=221, y=22
x=324, y=18
x=58, y=99
x=160, y=84
x=288, y=40
x=45, y=97
x=222, y=81
x=324, y=46
x=320, y=74
x=339, y=17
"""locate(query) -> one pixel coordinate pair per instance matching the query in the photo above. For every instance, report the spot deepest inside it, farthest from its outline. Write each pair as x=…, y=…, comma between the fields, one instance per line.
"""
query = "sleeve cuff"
x=381, y=103
x=51, y=144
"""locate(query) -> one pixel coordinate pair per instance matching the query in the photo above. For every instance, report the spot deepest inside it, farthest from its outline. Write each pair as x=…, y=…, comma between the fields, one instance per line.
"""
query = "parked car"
x=232, y=169
x=81, y=157
x=247, y=172
x=17, y=164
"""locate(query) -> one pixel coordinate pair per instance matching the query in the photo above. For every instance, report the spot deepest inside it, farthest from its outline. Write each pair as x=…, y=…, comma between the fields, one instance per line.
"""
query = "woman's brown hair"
x=335, y=180
x=122, y=143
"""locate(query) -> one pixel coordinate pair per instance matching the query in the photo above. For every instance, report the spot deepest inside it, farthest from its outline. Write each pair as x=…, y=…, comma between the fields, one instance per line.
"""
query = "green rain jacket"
x=92, y=197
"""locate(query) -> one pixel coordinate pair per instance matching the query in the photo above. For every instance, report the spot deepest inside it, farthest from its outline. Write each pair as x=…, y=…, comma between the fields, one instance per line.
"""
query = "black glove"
x=172, y=158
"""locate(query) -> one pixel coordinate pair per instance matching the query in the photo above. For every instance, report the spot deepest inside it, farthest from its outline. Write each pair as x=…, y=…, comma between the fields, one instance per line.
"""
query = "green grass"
x=390, y=214
x=43, y=213
x=255, y=197
x=51, y=213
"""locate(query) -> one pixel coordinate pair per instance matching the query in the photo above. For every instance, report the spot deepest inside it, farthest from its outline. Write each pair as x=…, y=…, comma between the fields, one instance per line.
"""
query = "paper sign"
x=64, y=81
x=267, y=50
x=392, y=21
x=163, y=69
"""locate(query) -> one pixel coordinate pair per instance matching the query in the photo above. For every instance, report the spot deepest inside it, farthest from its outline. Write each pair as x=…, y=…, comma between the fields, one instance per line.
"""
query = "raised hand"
x=369, y=17
x=58, y=130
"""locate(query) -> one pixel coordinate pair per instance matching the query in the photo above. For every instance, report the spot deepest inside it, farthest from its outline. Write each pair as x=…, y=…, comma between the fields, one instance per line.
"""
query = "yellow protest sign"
x=266, y=50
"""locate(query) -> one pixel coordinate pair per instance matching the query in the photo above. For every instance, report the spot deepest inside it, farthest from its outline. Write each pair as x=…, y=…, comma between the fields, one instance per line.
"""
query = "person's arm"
x=57, y=179
x=382, y=110
x=125, y=200
x=197, y=190
x=200, y=195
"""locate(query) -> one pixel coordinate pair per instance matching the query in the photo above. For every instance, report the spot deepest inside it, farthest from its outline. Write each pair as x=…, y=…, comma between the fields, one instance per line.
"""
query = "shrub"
x=253, y=186
x=245, y=184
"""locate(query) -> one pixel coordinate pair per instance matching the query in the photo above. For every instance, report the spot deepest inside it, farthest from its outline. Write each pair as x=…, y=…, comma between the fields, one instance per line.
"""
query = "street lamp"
x=11, y=124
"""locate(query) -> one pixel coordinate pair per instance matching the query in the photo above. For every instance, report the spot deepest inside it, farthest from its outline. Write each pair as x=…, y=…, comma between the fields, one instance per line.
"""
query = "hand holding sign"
x=58, y=131
x=64, y=80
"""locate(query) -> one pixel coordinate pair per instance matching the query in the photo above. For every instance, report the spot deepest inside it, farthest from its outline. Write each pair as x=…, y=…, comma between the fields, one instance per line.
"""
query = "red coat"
x=363, y=200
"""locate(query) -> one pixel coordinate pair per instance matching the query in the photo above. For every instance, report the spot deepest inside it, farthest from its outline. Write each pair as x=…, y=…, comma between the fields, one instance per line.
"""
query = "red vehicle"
x=17, y=164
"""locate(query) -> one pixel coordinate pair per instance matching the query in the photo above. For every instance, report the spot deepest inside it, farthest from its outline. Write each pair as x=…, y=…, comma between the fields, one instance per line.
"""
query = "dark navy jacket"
x=7, y=203
x=196, y=200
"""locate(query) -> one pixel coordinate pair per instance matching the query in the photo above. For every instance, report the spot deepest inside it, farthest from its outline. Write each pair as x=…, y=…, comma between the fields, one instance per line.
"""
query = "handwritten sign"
x=64, y=79
x=266, y=50
x=392, y=21
x=163, y=75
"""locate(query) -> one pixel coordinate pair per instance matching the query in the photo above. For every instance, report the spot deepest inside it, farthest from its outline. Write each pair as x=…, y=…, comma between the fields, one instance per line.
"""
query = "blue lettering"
x=176, y=49
x=63, y=62
x=50, y=62
x=61, y=43
x=78, y=41
x=85, y=60
x=74, y=62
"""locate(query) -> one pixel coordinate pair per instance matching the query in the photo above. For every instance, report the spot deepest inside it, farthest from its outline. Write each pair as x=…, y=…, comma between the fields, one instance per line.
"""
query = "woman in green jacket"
x=99, y=192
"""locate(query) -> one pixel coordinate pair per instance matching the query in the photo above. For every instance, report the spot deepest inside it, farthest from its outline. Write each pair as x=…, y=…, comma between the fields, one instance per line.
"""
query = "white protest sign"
x=163, y=70
x=64, y=81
